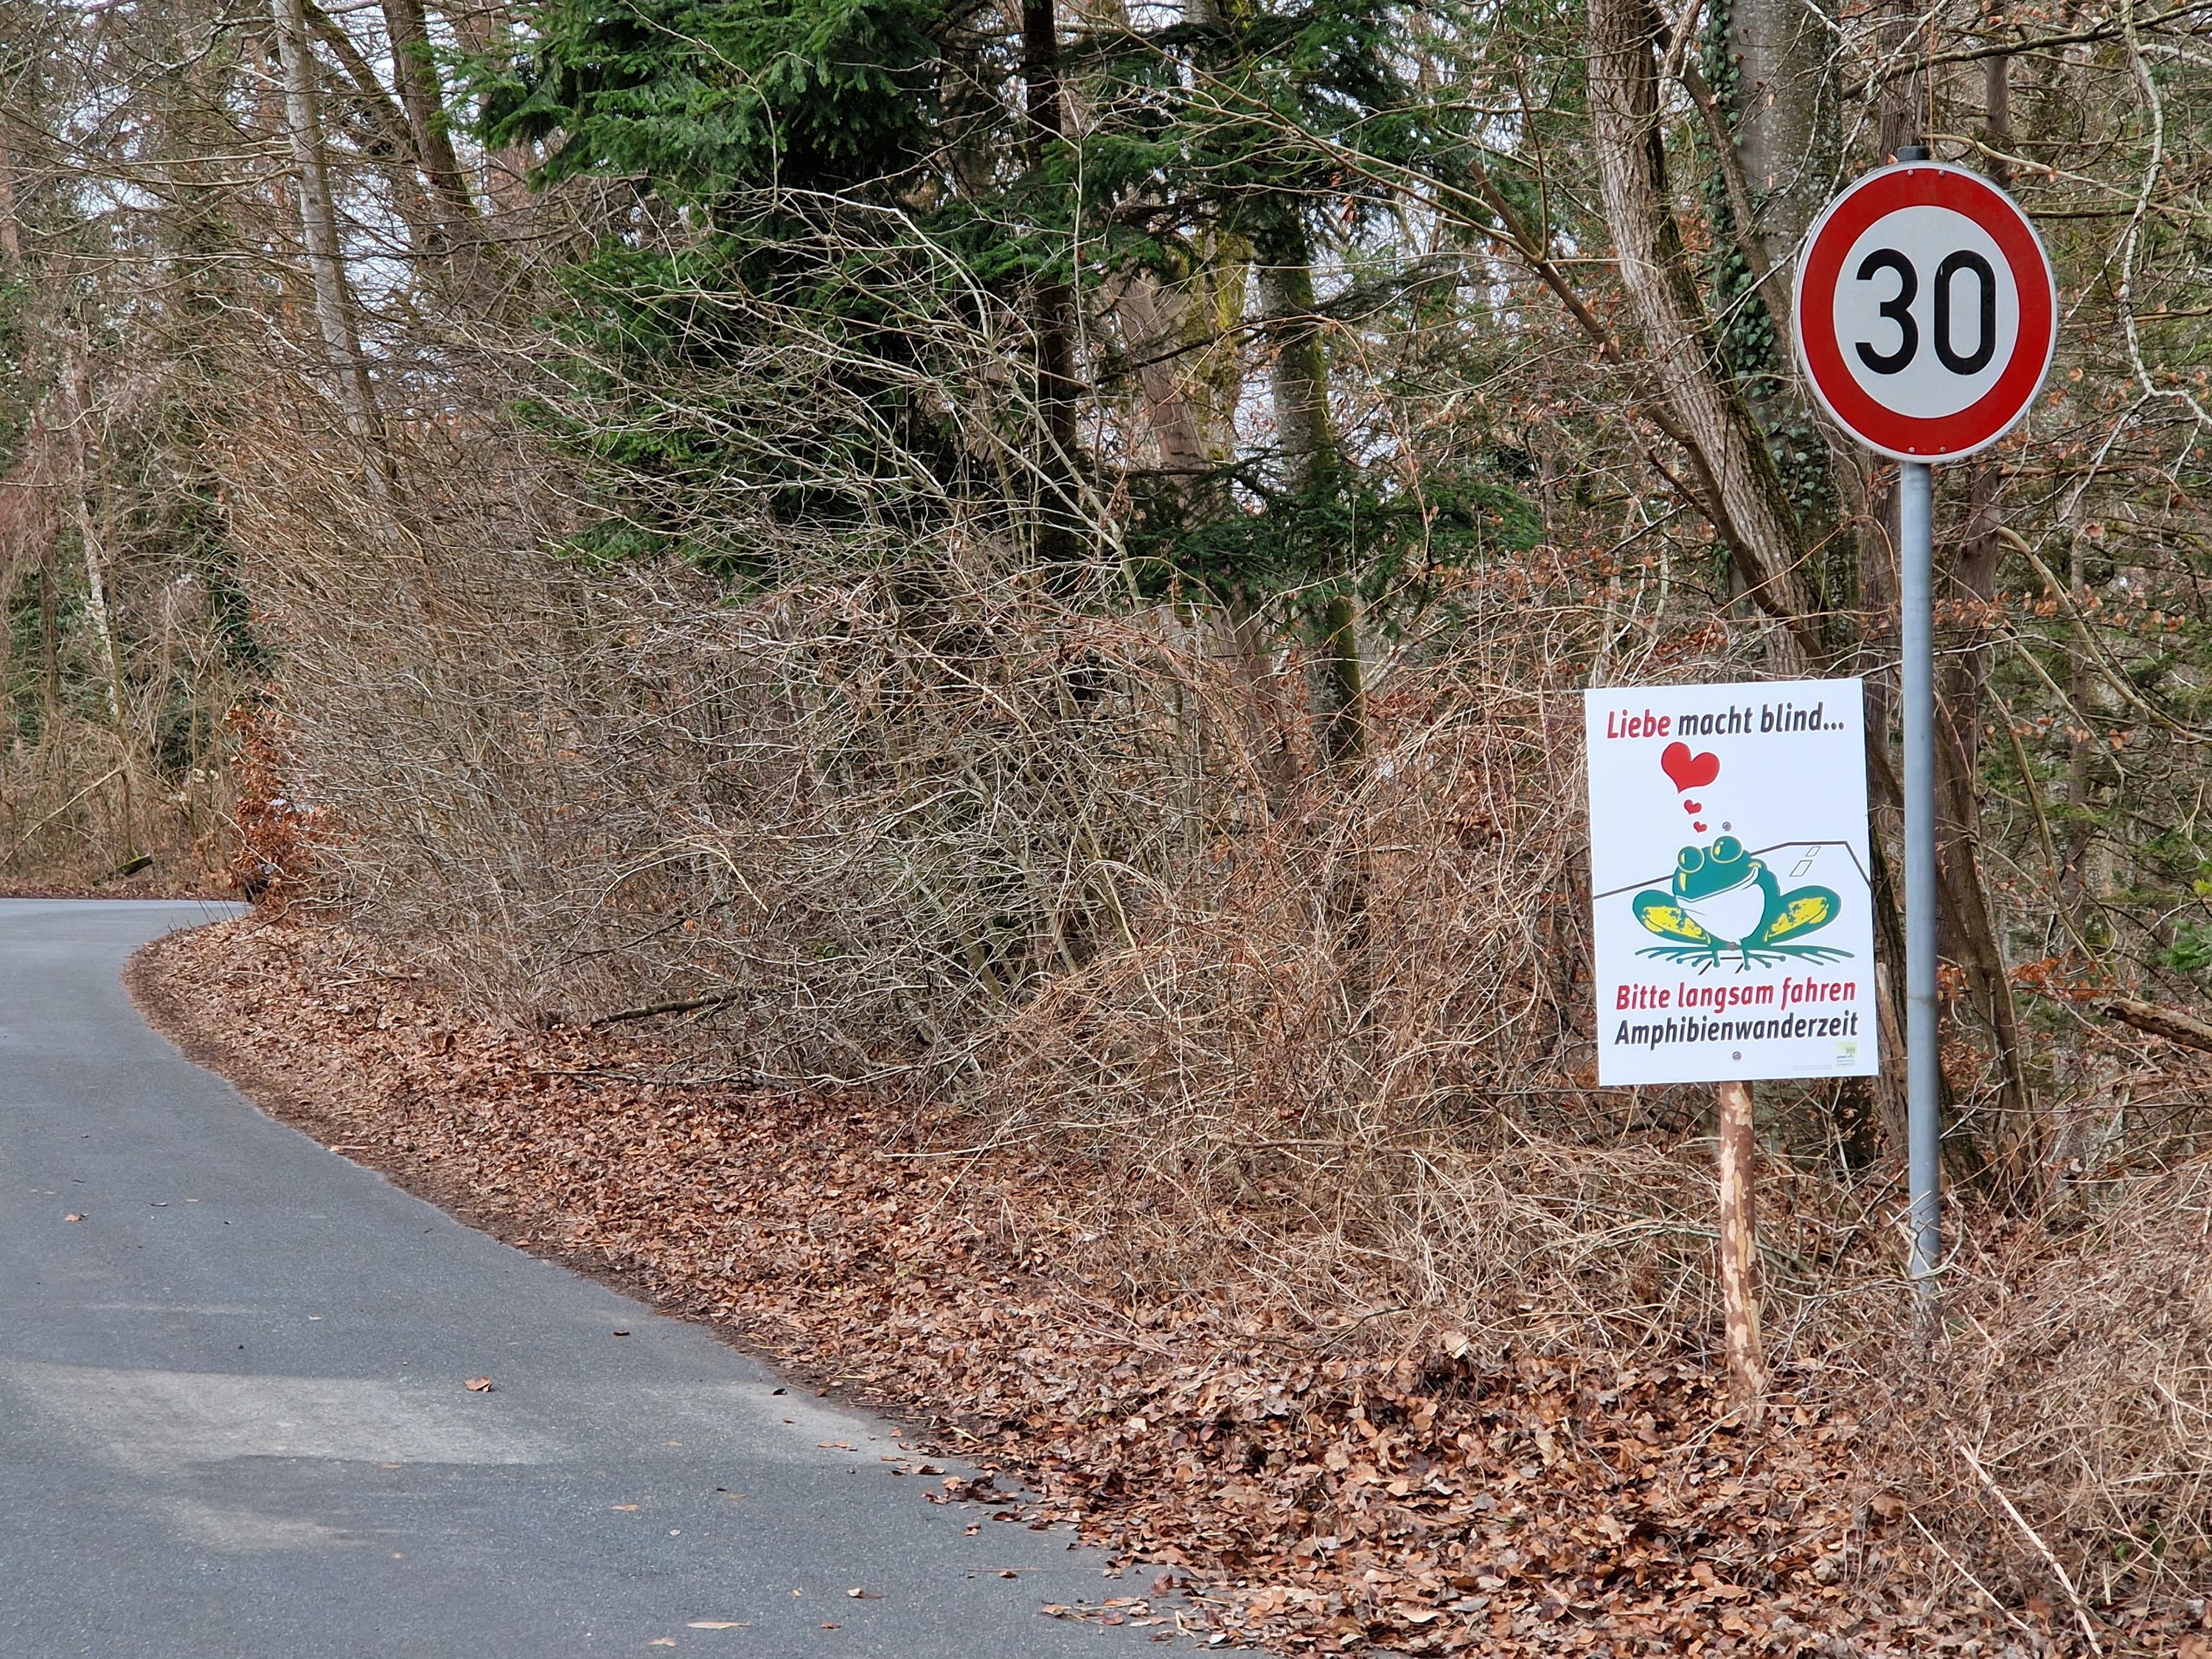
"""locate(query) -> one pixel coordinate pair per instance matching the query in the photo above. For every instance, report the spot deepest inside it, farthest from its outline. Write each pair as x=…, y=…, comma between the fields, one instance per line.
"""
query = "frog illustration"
x=1721, y=899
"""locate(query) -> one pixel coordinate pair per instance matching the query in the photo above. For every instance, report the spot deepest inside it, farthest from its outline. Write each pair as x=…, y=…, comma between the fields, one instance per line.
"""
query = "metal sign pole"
x=1924, y=1082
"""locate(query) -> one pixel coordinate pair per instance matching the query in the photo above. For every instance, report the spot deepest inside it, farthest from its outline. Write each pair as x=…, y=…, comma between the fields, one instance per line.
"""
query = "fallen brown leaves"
x=1462, y=1502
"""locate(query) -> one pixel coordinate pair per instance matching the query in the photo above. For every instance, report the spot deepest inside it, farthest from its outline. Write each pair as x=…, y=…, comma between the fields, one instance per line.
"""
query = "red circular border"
x=1988, y=417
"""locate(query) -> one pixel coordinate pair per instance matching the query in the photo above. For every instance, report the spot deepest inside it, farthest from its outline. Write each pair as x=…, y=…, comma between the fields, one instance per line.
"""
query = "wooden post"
x=1739, y=1255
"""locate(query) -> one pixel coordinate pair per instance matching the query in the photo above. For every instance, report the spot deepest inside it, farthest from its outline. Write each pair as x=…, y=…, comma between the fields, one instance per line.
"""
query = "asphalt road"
x=234, y=1420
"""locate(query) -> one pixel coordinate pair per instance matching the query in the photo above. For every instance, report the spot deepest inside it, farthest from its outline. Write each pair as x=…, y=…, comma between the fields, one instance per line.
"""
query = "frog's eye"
x=1727, y=850
x=1691, y=858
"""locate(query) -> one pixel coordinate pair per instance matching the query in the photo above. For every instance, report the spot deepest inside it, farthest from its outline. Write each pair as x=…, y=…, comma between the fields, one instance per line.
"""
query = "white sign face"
x=1926, y=314
x=1732, y=925
x=1926, y=345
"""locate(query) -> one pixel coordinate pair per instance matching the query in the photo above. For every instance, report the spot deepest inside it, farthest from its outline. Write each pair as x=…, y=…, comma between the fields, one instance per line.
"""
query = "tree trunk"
x=391, y=141
x=1744, y=493
x=318, y=231
x=1244, y=638
x=95, y=532
x=1965, y=693
x=91, y=529
x=50, y=640
x=2086, y=878
x=1974, y=933
x=1305, y=436
x=415, y=73
x=1134, y=297
x=1901, y=110
x=11, y=226
x=1781, y=151
x=484, y=31
x=1786, y=116
x=11, y=574
x=1053, y=323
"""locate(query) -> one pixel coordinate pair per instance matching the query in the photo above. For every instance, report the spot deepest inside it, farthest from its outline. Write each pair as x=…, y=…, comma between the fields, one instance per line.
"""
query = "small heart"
x=1700, y=828
x=1687, y=770
x=1693, y=807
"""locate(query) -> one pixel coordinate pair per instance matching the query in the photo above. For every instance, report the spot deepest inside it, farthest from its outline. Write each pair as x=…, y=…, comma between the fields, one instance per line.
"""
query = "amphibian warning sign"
x=1733, y=927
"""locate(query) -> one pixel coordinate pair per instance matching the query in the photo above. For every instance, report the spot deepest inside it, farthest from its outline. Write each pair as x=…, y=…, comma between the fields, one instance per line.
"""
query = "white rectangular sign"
x=1733, y=927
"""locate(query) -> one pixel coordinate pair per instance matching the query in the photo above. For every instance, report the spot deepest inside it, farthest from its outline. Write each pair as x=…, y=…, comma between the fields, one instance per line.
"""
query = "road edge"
x=145, y=981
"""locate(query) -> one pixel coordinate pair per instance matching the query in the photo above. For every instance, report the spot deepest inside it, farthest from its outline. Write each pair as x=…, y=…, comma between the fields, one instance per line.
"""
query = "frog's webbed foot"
x=1803, y=910
x=1660, y=915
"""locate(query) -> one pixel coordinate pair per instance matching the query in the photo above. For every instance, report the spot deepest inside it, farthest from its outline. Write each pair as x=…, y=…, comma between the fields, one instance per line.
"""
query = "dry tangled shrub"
x=1077, y=871
x=82, y=807
x=845, y=813
x=274, y=860
x=2068, y=1416
x=1380, y=1116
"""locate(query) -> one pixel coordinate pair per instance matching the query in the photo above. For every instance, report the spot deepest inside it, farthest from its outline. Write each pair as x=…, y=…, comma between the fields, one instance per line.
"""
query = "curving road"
x=235, y=1423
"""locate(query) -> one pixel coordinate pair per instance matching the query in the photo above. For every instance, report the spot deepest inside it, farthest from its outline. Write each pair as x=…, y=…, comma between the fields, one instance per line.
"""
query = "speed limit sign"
x=1925, y=319
x=1925, y=312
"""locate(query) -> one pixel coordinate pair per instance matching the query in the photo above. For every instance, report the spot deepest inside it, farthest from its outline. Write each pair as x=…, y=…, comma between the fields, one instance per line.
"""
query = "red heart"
x=1693, y=807
x=1700, y=828
x=1689, y=771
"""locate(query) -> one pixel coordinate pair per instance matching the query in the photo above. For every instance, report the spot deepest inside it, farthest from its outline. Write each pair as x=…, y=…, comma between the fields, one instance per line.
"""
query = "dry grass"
x=2067, y=1433
x=82, y=810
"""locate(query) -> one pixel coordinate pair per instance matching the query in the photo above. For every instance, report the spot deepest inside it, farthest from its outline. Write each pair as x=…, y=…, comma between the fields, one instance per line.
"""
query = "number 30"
x=1897, y=309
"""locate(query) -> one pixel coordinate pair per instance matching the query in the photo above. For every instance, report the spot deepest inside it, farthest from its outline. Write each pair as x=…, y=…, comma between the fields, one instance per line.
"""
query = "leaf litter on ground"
x=1500, y=1502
